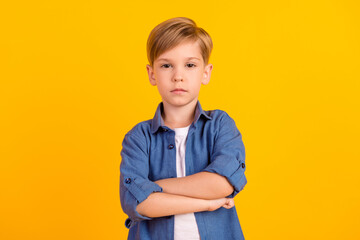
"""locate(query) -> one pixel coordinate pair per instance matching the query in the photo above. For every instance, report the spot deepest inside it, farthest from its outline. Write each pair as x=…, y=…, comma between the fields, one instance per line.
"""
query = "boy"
x=181, y=169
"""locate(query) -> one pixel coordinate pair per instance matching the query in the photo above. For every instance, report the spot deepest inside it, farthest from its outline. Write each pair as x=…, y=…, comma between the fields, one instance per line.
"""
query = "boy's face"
x=180, y=68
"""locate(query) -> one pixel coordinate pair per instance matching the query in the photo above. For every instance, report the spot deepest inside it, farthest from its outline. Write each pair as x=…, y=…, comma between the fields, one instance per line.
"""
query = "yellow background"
x=73, y=82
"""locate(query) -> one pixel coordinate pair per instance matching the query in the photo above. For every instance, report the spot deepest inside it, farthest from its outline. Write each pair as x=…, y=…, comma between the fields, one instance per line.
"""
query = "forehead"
x=183, y=51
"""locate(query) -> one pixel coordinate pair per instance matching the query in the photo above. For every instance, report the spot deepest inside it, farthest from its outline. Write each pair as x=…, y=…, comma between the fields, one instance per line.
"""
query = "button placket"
x=169, y=145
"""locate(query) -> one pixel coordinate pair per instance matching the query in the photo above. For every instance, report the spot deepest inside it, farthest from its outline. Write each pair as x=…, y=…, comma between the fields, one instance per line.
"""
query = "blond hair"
x=174, y=31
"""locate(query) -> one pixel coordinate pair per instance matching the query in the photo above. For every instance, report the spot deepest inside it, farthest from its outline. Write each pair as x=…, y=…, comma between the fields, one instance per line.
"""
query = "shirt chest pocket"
x=162, y=158
x=162, y=161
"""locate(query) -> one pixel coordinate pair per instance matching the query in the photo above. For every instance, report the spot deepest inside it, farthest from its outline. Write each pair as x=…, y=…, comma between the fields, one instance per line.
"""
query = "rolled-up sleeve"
x=228, y=156
x=135, y=186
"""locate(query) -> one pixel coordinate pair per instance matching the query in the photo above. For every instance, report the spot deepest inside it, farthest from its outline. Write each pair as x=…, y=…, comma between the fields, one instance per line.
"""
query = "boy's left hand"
x=221, y=202
x=229, y=203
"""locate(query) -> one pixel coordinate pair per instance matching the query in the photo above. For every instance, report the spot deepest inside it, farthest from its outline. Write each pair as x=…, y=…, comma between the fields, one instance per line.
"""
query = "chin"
x=182, y=102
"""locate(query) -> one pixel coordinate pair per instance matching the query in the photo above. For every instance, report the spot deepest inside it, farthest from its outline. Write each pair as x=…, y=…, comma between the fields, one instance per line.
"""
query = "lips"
x=178, y=90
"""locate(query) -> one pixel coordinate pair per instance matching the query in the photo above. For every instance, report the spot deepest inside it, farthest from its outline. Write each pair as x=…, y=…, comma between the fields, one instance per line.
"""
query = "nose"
x=178, y=79
x=177, y=75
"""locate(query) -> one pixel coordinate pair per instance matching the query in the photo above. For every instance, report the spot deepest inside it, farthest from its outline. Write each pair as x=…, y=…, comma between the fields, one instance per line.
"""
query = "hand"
x=229, y=203
x=221, y=202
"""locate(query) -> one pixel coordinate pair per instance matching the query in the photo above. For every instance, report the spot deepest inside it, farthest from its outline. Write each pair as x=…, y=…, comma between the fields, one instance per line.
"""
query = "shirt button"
x=128, y=180
x=243, y=165
x=171, y=146
x=128, y=223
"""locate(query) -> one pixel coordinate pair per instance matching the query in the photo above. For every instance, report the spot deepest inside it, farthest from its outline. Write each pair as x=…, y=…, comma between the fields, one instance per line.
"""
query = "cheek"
x=196, y=86
x=163, y=77
x=199, y=75
x=162, y=86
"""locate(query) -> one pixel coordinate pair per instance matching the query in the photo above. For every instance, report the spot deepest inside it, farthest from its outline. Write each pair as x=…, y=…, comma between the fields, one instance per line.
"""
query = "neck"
x=177, y=117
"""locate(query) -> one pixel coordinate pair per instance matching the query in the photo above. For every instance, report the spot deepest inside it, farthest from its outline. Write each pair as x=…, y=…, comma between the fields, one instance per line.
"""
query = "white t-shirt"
x=185, y=224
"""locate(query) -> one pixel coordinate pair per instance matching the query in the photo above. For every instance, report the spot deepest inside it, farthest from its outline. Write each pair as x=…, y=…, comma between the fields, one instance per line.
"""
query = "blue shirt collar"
x=157, y=121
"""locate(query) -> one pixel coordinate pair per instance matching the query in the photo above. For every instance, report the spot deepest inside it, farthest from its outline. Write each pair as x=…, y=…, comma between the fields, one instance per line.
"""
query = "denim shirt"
x=214, y=144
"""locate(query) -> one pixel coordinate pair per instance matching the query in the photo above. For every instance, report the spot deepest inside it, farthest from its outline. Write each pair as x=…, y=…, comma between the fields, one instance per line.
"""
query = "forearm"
x=160, y=204
x=203, y=185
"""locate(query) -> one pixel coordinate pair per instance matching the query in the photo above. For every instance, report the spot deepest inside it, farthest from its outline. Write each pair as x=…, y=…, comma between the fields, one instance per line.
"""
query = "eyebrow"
x=165, y=59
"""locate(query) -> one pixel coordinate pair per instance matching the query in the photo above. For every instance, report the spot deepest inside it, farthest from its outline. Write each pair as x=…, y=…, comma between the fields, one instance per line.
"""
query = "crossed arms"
x=202, y=191
x=212, y=188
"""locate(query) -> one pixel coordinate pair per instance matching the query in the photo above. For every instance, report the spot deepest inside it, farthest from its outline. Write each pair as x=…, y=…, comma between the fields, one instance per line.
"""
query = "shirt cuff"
x=232, y=169
x=139, y=189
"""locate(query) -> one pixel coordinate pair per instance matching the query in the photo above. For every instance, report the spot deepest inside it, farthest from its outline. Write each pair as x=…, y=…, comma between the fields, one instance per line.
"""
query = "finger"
x=227, y=206
x=229, y=203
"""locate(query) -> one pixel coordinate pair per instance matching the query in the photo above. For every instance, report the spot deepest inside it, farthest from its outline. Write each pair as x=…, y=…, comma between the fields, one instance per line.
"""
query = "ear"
x=207, y=73
x=151, y=75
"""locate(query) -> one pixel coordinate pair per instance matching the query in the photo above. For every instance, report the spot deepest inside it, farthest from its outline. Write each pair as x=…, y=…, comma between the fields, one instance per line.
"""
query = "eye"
x=191, y=65
x=165, y=65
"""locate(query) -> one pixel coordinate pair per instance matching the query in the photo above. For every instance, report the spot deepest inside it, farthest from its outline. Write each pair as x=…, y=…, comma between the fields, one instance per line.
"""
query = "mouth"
x=178, y=90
